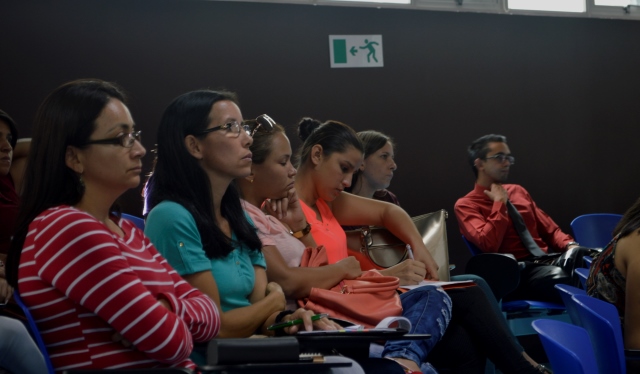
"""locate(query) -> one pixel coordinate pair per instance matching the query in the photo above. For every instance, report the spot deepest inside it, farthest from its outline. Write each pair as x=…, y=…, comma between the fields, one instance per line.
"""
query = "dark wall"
x=564, y=90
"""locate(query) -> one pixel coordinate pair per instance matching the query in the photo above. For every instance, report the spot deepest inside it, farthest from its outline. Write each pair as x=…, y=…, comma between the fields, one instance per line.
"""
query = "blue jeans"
x=429, y=310
x=18, y=352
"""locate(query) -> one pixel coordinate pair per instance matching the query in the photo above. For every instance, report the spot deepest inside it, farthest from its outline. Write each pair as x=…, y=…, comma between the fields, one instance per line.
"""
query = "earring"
x=80, y=185
x=251, y=180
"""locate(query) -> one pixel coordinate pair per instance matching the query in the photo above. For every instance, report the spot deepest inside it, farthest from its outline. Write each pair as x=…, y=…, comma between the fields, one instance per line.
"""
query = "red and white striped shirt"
x=83, y=283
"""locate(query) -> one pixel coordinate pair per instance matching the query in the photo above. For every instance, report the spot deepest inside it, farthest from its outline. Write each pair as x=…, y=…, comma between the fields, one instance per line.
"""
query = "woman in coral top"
x=331, y=153
x=101, y=295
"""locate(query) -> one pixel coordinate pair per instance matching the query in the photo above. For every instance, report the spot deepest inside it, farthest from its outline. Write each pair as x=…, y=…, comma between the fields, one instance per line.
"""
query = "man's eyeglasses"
x=501, y=157
x=126, y=140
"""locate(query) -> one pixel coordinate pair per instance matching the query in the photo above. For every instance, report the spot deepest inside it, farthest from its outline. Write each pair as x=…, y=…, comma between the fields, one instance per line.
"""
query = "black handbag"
x=377, y=248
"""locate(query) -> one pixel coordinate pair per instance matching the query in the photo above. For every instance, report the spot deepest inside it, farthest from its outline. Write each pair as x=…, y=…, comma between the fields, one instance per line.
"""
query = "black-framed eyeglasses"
x=232, y=129
x=501, y=157
x=126, y=140
x=264, y=123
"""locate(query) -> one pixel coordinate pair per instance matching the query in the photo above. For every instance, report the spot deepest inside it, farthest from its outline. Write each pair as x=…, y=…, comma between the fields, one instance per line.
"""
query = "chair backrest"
x=33, y=329
x=594, y=230
x=139, y=222
x=499, y=270
x=567, y=346
x=602, y=322
x=502, y=273
x=583, y=274
x=472, y=247
x=566, y=292
x=587, y=261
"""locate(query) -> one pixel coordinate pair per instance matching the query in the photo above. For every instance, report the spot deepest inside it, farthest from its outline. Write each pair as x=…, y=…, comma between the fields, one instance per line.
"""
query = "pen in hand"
x=294, y=322
x=410, y=252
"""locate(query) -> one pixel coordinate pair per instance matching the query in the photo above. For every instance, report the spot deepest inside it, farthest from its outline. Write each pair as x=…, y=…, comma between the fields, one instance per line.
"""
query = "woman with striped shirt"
x=101, y=295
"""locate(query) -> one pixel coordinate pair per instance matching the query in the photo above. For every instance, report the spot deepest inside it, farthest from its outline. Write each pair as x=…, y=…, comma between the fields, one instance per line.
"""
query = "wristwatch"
x=301, y=233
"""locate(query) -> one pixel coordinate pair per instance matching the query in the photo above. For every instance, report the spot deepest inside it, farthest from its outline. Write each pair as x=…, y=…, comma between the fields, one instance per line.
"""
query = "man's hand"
x=497, y=193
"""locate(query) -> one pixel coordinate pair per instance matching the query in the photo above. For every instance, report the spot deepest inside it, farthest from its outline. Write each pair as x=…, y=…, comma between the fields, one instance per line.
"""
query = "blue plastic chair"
x=602, y=322
x=510, y=306
x=33, y=329
x=567, y=346
x=472, y=247
x=502, y=272
x=594, y=230
x=139, y=222
x=566, y=292
x=587, y=261
x=583, y=274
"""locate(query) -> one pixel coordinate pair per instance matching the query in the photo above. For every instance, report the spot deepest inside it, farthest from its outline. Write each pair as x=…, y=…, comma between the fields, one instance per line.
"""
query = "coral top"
x=327, y=230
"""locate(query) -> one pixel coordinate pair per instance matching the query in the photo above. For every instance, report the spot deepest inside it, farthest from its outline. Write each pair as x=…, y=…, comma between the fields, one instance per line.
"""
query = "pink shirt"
x=272, y=232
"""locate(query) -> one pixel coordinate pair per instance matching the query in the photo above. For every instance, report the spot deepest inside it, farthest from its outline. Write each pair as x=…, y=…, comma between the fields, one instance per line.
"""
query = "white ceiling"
x=591, y=10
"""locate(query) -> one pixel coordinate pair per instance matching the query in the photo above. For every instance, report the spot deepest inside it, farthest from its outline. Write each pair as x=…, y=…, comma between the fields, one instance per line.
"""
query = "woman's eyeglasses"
x=232, y=129
x=263, y=122
x=125, y=140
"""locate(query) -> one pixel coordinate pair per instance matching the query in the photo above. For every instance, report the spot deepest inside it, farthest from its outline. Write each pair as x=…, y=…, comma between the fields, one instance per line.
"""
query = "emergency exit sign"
x=356, y=51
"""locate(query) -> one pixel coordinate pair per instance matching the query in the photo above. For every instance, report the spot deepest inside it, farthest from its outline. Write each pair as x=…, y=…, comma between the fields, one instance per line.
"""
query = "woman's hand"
x=351, y=267
x=6, y=291
x=118, y=338
x=424, y=256
x=307, y=324
x=288, y=210
x=409, y=272
x=273, y=289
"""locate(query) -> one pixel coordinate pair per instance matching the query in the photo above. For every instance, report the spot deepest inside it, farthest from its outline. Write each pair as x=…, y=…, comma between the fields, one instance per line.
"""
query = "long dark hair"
x=12, y=127
x=333, y=136
x=630, y=222
x=177, y=176
x=65, y=118
x=371, y=141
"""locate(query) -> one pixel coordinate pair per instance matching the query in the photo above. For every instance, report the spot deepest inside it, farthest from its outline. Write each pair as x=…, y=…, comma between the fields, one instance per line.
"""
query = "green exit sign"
x=356, y=51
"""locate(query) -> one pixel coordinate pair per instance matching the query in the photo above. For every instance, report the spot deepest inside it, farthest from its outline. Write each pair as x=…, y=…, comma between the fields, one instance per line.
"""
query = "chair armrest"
x=176, y=370
x=632, y=354
x=501, y=271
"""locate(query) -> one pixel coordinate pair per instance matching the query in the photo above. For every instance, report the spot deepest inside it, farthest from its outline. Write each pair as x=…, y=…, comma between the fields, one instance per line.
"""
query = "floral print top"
x=605, y=281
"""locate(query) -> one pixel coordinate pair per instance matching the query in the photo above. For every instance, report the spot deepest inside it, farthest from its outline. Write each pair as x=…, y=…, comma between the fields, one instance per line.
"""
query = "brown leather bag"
x=365, y=300
x=377, y=248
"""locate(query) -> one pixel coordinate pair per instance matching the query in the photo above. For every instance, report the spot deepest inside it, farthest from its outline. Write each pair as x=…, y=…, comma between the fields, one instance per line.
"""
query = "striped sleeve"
x=196, y=309
x=78, y=256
